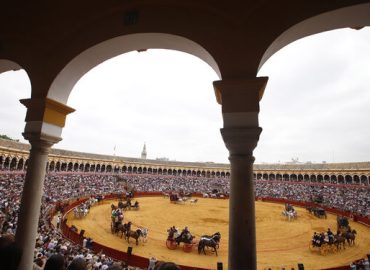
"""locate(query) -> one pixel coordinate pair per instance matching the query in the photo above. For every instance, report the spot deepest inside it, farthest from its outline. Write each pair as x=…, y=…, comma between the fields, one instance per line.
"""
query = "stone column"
x=31, y=196
x=240, y=107
x=242, y=229
x=45, y=120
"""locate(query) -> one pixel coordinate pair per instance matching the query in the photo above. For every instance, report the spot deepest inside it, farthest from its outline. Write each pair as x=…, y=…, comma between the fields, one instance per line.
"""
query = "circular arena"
x=280, y=243
x=75, y=178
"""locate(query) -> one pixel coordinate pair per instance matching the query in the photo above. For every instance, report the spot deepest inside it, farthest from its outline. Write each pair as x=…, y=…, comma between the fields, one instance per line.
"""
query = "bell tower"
x=143, y=153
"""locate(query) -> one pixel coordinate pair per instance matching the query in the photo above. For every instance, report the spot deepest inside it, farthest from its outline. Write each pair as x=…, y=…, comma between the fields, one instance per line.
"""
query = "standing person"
x=58, y=221
x=152, y=263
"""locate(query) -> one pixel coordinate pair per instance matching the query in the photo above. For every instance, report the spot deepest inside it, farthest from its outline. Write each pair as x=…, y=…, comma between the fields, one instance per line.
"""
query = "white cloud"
x=315, y=107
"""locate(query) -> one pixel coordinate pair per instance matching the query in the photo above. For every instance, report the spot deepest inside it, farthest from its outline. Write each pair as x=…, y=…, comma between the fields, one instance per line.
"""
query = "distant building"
x=143, y=153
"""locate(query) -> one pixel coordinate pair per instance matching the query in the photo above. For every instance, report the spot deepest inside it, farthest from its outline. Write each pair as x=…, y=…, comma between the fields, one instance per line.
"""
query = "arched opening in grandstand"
x=20, y=164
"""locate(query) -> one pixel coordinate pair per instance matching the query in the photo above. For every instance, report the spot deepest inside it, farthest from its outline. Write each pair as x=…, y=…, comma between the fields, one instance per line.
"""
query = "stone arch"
x=8, y=65
x=63, y=166
x=52, y=165
x=333, y=179
x=356, y=179
x=20, y=164
x=348, y=179
x=57, y=166
x=363, y=180
x=70, y=166
x=352, y=16
x=293, y=177
x=62, y=85
x=81, y=167
x=13, y=163
x=326, y=178
x=6, y=162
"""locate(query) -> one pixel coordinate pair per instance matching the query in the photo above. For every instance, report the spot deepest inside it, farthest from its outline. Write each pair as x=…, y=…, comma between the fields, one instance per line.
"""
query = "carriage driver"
x=289, y=207
x=185, y=233
x=330, y=236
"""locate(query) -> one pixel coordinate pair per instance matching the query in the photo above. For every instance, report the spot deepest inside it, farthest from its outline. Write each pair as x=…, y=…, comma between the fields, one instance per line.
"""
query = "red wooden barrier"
x=142, y=262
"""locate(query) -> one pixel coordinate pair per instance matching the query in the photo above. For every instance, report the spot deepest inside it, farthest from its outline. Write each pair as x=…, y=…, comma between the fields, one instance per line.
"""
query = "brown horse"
x=134, y=234
x=123, y=228
x=339, y=241
x=350, y=236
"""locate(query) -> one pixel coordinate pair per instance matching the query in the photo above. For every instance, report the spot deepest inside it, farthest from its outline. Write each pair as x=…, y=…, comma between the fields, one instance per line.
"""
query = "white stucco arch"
x=8, y=65
x=85, y=61
x=356, y=17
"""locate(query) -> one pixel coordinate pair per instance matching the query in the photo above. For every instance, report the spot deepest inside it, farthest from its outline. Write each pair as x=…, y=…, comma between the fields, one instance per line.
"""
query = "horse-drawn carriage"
x=317, y=212
x=175, y=198
x=342, y=224
x=289, y=212
x=175, y=238
x=128, y=205
x=328, y=242
x=117, y=219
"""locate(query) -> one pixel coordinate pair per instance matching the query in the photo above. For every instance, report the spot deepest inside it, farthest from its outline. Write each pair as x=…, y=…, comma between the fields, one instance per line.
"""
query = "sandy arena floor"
x=279, y=243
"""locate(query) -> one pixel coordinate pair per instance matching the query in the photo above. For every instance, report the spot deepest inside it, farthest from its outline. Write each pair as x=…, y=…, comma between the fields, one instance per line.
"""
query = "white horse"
x=144, y=233
x=291, y=215
x=193, y=201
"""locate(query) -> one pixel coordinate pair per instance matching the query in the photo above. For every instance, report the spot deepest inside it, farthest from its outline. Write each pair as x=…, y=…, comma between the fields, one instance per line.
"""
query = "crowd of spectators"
x=62, y=187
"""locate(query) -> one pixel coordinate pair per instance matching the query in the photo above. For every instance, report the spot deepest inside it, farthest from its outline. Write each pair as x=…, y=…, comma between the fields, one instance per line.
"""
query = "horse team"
x=117, y=225
x=174, y=239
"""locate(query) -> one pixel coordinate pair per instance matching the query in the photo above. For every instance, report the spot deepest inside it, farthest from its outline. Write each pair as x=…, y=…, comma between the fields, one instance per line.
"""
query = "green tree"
x=5, y=137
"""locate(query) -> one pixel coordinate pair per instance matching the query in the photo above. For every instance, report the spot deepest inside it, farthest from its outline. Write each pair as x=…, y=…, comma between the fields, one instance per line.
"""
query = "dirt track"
x=279, y=243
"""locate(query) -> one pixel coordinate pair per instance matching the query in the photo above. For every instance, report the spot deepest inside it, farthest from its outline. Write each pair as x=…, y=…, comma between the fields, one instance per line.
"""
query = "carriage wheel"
x=171, y=244
x=187, y=247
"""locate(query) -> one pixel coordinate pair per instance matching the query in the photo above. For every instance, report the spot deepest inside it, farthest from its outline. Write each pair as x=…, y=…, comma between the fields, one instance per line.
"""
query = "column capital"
x=42, y=142
x=241, y=141
x=240, y=95
x=45, y=117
